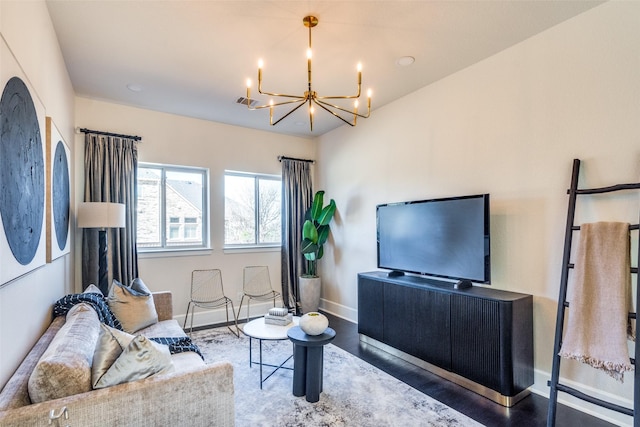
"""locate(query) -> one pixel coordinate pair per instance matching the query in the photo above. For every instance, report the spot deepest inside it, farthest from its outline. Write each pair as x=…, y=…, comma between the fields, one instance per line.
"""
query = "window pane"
x=183, y=199
x=239, y=227
x=174, y=232
x=190, y=232
x=149, y=205
x=172, y=207
x=269, y=219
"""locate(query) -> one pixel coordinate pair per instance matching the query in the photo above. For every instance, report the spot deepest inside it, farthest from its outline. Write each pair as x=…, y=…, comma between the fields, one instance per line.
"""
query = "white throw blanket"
x=598, y=323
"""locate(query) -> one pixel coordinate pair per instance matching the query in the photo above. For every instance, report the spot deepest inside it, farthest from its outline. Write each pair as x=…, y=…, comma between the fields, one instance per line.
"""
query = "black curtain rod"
x=117, y=135
x=281, y=158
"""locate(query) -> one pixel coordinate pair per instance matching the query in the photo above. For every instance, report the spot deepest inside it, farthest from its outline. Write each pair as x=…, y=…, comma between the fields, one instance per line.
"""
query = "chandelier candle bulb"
x=271, y=111
x=355, y=112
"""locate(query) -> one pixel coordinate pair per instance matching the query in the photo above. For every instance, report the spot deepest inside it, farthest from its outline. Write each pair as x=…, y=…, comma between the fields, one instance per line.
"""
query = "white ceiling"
x=192, y=58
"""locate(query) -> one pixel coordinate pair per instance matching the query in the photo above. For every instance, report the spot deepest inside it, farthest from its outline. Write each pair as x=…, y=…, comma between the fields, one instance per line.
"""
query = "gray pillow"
x=140, y=359
x=93, y=289
x=110, y=346
x=132, y=307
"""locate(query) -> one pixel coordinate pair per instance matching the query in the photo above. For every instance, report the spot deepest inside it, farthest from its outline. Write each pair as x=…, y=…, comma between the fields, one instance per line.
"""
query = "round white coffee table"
x=258, y=329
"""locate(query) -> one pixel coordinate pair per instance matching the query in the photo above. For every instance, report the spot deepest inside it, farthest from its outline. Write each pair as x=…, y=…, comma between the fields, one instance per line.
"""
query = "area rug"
x=355, y=393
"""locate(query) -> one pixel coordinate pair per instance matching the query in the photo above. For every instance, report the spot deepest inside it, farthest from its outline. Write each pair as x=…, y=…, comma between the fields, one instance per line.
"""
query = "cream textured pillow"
x=140, y=359
x=65, y=367
x=133, y=306
x=92, y=289
x=110, y=346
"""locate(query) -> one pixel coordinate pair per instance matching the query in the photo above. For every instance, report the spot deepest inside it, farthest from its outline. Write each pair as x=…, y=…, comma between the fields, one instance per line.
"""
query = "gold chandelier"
x=310, y=97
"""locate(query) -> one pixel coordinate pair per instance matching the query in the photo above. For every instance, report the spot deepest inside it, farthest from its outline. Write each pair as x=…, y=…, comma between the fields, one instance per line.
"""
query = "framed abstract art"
x=58, y=193
x=22, y=173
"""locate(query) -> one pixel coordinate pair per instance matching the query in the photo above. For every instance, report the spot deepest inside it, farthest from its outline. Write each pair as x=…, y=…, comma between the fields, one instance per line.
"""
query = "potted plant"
x=315, y=232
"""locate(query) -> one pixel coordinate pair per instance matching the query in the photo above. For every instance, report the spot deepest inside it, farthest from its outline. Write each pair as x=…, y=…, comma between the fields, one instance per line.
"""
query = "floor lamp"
x=102, y=215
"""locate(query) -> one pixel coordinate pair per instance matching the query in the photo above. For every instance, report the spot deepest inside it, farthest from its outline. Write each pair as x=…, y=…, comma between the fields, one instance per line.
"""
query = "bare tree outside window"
x=252, y=210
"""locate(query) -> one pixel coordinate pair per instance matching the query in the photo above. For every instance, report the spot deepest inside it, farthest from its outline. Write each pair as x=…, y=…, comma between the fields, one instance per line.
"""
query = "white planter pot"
x=309, y=293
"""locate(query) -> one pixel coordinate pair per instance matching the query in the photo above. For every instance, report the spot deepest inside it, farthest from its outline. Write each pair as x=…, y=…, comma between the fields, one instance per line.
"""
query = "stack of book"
x=278, y=316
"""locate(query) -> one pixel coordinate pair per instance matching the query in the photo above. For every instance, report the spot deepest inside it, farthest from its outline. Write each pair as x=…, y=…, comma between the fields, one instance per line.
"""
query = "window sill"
x=171, y=253
x=248, y=249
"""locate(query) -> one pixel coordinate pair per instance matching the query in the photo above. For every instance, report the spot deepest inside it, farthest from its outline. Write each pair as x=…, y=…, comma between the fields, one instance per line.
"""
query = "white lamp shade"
x=101, y=215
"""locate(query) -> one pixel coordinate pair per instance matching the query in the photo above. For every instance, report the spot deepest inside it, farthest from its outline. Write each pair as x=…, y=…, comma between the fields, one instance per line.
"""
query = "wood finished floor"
x=529, y=412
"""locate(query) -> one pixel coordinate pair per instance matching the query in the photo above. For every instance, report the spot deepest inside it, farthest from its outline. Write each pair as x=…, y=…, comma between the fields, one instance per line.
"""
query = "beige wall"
x=509, y=126
x=25, y=303
x=183, y=141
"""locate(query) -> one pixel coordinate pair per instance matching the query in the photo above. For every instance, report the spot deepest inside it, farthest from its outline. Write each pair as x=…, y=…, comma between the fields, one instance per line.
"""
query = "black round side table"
x=308, y=361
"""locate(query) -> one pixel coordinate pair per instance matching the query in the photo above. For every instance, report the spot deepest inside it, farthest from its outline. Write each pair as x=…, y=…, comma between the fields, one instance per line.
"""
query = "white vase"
x=309, y=293
x=313, y=323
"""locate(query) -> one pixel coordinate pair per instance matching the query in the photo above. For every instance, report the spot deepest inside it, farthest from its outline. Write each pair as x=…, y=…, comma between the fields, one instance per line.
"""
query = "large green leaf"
x=320, y=252
x=323, y=234
x=309, y=232
x=311, y=256
x=327, y=213
x=308, y=246
x=316, y=207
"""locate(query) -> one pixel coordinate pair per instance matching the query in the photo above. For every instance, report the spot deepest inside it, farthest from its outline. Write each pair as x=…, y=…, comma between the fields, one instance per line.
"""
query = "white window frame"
x=257, y=245
x=164, y=238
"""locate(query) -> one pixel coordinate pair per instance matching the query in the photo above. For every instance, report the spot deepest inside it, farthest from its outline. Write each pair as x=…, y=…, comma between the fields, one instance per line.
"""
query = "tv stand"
x=479, y=338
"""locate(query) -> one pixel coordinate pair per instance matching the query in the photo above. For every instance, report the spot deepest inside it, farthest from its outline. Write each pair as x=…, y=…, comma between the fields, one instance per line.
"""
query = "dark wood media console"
x=479, y=338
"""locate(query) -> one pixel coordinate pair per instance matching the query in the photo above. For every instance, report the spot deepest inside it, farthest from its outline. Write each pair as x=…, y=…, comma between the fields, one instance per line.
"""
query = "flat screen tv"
x=446, y=238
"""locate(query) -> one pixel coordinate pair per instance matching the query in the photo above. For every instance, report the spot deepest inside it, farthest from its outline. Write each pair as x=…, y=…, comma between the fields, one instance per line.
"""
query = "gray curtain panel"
x=111, y=172
x=297, y=196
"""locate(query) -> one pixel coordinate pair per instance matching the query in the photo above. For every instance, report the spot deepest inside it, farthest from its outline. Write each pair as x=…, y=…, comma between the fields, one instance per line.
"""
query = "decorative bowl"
x=313, y=323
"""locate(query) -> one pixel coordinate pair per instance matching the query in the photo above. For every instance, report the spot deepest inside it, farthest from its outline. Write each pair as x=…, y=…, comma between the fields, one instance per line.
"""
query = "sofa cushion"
x=92, y=289
x=132, y=305
x=110, y=346
x=140, y=359
x=65, y=367
x=163, y=329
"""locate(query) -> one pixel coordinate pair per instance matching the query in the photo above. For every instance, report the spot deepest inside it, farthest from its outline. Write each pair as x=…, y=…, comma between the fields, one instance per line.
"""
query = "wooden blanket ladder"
x=563, y=305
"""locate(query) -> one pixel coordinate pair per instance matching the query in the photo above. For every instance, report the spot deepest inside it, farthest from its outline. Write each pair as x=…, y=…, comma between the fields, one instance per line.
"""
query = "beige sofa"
x=193, y=393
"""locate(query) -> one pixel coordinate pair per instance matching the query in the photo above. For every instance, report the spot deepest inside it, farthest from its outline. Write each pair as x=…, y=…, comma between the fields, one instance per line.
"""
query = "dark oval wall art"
x=61, y=195
x=22, y=171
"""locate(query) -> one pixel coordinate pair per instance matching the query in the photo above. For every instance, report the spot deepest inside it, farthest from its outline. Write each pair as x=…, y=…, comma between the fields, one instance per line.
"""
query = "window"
x=172, y=207
x=252, y=209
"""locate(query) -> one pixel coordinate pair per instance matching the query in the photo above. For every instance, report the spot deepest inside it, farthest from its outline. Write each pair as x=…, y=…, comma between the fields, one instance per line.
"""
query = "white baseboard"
x=218, y=316
x=339, y=310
